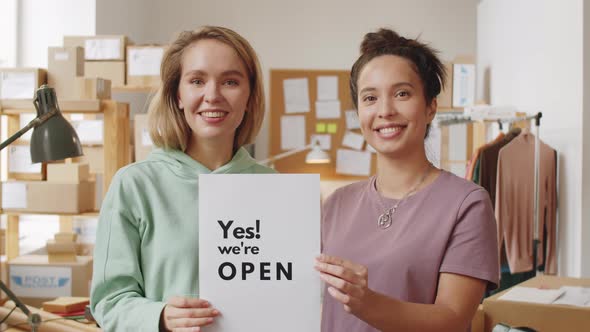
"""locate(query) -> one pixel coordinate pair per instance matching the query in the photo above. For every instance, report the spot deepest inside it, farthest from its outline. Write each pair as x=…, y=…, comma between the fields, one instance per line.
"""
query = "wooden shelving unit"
x=134, y=89
x=116, y=153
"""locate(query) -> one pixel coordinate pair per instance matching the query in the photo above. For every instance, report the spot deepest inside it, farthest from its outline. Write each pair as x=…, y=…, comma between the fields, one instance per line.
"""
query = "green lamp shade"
x=54, y=139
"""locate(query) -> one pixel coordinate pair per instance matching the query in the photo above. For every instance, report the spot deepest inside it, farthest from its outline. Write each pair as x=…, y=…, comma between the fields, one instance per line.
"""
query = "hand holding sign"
x=347, y=282
x=183, y=312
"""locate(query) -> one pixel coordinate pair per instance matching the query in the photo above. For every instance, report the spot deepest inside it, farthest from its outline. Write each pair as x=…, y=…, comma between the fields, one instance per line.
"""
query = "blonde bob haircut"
x=167, y=124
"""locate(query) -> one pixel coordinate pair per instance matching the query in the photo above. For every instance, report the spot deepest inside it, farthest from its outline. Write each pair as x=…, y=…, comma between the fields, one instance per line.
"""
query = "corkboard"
x=296, y=163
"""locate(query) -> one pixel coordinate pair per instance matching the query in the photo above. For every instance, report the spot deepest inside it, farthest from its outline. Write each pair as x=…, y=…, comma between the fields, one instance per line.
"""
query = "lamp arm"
x=286, y=154
x=34, y=123
x=13, y=297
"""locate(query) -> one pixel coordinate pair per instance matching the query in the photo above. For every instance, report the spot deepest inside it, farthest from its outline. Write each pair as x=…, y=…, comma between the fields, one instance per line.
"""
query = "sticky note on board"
x=332, y=128
x=320, y=127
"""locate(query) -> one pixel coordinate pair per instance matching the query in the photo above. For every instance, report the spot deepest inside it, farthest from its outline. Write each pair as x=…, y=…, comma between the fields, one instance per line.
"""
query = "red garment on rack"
x=514, y=203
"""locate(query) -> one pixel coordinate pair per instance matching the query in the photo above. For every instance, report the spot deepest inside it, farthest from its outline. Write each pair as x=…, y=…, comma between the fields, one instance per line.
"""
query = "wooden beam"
x=116, y=139
x=12, y=249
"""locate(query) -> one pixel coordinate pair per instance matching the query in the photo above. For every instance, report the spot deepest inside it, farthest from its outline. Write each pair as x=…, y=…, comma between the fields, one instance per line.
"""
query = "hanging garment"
x=471, y=164
x=514, y=203
x=488, y=162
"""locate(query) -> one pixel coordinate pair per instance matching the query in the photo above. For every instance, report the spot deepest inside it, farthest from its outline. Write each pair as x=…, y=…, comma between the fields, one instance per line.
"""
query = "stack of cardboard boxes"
x=67, y=190
x=104, y=56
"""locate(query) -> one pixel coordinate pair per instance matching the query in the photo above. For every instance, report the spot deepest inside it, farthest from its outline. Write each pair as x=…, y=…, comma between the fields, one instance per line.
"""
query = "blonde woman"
x=209, y=105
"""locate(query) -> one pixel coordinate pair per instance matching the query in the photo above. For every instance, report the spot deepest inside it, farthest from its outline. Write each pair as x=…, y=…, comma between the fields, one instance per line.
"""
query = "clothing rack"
x=446, y=120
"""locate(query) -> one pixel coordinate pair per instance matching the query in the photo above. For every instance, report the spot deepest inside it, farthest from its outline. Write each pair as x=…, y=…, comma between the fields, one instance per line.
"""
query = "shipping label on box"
x=144, y=60
x=20, y=83
x=107, y=48
x=19, y=160
x=41, y=281
x=90, y=131
x=463, y=85
x=15, y=85
x=14, y=195
x=86, y=228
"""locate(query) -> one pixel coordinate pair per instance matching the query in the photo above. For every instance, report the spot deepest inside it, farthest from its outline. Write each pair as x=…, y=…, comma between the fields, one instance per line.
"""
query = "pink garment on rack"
x=514, y=203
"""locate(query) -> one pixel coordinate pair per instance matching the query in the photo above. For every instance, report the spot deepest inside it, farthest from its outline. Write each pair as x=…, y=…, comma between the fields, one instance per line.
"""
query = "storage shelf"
x=134, y=89
x=19, y=106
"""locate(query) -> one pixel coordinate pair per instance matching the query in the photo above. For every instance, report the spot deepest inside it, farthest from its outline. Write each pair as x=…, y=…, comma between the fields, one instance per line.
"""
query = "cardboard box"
x=68, y=173
x=143, y=65
x=66, y=305
x=477, y=323
x=445, y=98
x=21, y=83
x=110, y=70
x=34, y=280
x=93, y=88
x=21, y=167
x=47, y=197
x=541, y=317
x=58, y=252
x=94, y=157
x=100, y=47
x=64, y=65
x=143, y=142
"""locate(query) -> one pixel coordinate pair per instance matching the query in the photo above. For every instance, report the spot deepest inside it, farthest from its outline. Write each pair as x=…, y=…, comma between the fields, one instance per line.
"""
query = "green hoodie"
x=147, y=239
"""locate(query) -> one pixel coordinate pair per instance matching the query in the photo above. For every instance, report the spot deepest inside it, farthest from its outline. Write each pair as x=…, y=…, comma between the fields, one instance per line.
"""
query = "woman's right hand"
x=183, y=314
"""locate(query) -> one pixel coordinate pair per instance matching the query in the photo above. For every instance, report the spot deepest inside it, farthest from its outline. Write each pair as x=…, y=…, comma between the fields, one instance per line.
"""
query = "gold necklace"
x=386, y=218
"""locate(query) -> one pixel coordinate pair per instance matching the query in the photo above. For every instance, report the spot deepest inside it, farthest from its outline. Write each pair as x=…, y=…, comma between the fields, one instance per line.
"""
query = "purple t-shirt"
x=448, y=226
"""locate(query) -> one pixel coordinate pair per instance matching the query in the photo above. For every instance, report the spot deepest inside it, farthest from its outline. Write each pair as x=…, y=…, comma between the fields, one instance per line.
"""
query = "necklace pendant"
x=385, y=220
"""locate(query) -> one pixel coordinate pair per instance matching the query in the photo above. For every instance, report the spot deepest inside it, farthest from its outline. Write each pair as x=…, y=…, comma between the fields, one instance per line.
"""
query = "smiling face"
x=213, y=91
x=392, y=109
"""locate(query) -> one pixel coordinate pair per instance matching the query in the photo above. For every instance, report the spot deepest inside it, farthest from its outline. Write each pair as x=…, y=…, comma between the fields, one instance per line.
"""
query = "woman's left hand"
x=347, y=283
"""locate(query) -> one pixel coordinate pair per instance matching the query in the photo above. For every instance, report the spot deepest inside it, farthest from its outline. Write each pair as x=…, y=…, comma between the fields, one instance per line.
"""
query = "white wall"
x=43, y=23
x=586, y=142
x=311, y=34
x=8, y=24
x=533, y=51
x=127, y=17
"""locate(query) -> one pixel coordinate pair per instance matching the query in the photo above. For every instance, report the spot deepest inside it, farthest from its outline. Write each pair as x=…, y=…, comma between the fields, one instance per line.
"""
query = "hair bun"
x=374, y=41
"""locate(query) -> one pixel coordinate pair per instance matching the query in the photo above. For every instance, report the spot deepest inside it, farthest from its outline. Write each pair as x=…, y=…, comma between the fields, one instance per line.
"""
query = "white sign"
x=40, y=281
x=258, y=237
